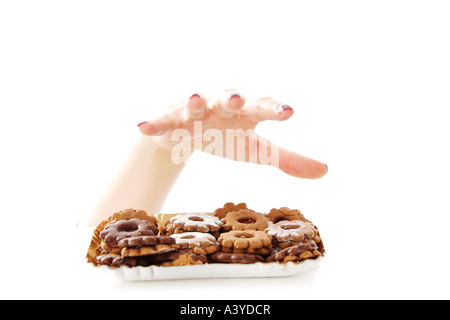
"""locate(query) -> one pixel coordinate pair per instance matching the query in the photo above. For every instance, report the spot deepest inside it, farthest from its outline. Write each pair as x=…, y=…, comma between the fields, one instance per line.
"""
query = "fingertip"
x=149, y=128
x=196, y=106
x=317, y=170
x=284, y=112
x=284, y=108
x=195, y=96
x=195, y=101
x=235, y=102
x=320, y=171
x=227, y=104
x=301, y=166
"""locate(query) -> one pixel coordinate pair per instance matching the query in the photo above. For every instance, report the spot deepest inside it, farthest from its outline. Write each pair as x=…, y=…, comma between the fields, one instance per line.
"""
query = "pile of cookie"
x=232, y=234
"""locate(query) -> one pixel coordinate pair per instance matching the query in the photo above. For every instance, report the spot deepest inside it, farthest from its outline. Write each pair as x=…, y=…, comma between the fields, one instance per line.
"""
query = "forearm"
x=143, y=182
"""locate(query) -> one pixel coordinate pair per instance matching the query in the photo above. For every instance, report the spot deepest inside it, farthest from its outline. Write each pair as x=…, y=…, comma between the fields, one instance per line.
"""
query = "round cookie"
x=186, y=259
x=245, y=220
x=176, y=258
x=146, y=245
x=192, y=222
x=284, y=213
x=196, y=242
x=246, y=241
x=242, y=258
x=110, y=260
x=130, y=213
x=115, y=261
x=287, y=233
x=99, y=246
x=143, y=241
x=229, y=207
x=296, y=253
x=115, y=232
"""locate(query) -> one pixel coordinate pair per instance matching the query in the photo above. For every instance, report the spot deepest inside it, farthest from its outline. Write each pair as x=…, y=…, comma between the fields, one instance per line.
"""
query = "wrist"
x=166, y=151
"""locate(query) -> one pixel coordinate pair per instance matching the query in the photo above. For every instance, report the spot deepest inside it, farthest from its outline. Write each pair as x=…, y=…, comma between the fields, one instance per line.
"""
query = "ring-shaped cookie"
x=229, y=207
x=192, y=222
x=122, y=229
x=245, y=220
x=284, y=213
x=130, y=213
x=246, y=241
x=196, y=242
x=308, y=250
x=242, y=258
x=296, y=230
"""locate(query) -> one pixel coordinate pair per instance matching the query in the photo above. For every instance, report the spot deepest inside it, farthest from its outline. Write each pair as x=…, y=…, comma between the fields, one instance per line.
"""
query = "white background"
x=369, y=82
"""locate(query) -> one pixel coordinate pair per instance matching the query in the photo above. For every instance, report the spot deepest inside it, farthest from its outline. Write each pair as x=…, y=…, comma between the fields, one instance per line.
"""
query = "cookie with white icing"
x=193, y=222
x=287, y=233
x=196, y=242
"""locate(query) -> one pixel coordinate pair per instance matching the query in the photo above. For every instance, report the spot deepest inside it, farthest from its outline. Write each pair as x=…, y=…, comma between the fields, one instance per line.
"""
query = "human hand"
x=229, y=120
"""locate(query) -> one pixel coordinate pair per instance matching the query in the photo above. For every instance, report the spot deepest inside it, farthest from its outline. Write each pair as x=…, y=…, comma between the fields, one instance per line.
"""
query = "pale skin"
x=148, y=174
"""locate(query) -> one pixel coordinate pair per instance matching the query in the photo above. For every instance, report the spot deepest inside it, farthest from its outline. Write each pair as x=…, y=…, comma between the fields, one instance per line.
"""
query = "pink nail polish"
x=284, y=107
x=326, y=167
x=140, y=124
x=234, y=95
x=195, y=95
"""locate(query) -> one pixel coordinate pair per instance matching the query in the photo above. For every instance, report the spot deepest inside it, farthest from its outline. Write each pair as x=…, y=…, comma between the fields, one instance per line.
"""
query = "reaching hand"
x=228, y=116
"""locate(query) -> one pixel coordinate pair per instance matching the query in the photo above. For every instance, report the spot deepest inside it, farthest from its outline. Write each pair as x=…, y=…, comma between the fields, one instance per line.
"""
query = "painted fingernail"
x=195, y=95
x=284, y=107
x=326, y=167
x=234, y=95
x=140, y=124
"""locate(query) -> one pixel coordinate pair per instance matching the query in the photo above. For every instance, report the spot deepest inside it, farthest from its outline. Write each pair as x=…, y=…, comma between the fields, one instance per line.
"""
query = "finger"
x=256, y=149
x=196, y=107
x=227, y=104
x=300, y=166
x=267, y=109
x=160, y=126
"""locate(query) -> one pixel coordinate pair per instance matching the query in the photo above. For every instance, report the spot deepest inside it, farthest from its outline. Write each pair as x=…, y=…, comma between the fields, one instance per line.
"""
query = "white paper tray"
x=212, y=270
